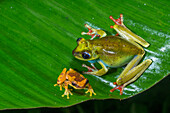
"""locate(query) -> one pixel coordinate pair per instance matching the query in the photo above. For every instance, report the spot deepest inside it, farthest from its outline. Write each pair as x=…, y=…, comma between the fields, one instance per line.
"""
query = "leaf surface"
x=37, y=39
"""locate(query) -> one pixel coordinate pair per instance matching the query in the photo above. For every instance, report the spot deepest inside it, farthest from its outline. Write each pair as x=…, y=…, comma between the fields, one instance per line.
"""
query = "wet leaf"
x=37, y=39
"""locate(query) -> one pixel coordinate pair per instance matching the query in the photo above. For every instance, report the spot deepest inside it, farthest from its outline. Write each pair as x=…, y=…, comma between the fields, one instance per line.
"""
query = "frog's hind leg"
x=131, y=73
x=123, y=31
x=118, y=21
x=94, y=32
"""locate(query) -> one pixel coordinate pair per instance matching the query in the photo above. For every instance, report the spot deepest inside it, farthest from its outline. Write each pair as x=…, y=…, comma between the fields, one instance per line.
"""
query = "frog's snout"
x=74, y=53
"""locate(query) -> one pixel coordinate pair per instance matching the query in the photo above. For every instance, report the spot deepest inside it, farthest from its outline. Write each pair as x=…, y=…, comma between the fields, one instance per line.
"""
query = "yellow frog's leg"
x=60, y=85
x=126, y=33
x=131, y=73
x=61, y=79
x=90, y=90
x=67, y=91
x=94, y=32
x=97, y=72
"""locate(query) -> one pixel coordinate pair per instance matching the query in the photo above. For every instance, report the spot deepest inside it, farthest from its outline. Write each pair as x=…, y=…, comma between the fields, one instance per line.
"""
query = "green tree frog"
x=113, y=51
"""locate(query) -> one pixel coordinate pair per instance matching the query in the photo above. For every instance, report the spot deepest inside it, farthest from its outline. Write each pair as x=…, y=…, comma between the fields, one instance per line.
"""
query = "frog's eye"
x=78, y=39
x=86, y=55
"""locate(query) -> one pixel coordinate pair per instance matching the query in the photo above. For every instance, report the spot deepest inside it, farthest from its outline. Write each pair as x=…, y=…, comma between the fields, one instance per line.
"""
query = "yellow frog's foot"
x=91, y=91
x=119, y=87
x=92, y=32
x=90, y=69
x=55, y=84
x=67, y=92
x=60, y=85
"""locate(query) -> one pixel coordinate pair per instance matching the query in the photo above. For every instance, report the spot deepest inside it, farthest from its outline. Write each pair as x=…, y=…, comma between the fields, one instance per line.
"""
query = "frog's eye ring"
x=78, y=39
x=86, y=55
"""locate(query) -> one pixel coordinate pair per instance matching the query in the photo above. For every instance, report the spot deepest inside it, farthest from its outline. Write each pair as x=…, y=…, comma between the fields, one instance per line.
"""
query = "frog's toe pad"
x=90, y=69
x=91, y=91
x=67, y=92
x=120, y=88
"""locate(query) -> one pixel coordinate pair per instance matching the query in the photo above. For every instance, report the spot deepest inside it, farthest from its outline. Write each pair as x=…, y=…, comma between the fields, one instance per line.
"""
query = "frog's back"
x=115, y=51
x=77, y=80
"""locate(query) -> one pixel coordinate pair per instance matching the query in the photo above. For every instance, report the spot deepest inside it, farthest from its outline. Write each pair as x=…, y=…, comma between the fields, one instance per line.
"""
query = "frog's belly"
x=116, y=61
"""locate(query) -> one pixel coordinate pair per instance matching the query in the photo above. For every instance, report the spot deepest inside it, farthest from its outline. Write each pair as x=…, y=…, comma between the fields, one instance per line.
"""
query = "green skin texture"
x=113, y=51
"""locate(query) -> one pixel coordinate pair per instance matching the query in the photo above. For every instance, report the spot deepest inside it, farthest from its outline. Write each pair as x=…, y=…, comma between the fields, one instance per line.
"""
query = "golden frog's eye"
x=86, y=55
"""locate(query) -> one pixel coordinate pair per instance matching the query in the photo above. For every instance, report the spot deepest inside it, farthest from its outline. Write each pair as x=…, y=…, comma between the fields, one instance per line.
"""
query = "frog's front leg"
x=90, y=90
x=90, y=69
x=94, y=32
x=67, y=91
x=131, y=73
x=95, y=71
x=61, y=79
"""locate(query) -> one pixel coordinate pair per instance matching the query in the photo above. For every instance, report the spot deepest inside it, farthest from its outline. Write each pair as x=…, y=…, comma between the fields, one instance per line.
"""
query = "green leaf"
x=37, y=38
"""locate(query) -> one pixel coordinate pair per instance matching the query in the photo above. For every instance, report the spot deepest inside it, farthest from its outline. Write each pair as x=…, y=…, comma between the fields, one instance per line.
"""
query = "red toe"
x=120, y=88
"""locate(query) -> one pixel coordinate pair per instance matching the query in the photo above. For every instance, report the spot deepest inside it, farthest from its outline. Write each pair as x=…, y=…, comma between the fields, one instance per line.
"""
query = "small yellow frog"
x=74, y=79
x=113, y=51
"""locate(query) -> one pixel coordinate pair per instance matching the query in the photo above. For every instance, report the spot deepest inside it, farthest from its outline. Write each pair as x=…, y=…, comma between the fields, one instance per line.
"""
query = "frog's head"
x=84, y=51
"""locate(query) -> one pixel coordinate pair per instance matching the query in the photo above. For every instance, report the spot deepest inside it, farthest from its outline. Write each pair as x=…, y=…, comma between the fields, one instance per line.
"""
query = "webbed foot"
x=91, y=91
x=60, y=85
x=94, y=71
x=93, y=32
x=90, y=69
x=119, y=87
x=118, y=21
x=67, y=92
